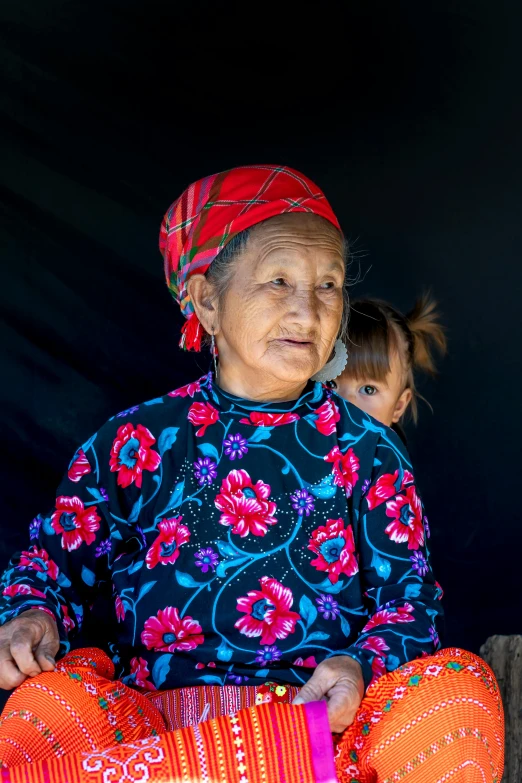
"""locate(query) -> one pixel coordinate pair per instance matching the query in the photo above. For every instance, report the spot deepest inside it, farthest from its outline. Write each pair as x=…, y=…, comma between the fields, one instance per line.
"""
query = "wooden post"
x=504, y=655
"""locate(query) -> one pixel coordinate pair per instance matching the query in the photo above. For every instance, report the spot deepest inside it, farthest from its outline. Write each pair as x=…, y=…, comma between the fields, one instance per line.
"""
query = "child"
x=385, y=349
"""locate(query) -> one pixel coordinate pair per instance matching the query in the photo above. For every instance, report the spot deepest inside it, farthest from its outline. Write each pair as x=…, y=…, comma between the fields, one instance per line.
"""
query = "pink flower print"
x=261, y=419
x=345, y=467
x=80, y=467
x=167, y=632
x=403, y=614
x=131, y=454
x=406, y=512
x=76, y=523
x=375, y=644
x=245, y=506
x=202, y=415
x=385, y=488
x=38, y=560
x=140, y=672
x=189, y=390
x=334, y=546
x=165, y=549
x=327, y=417
x=267, y=612
x=309, y=662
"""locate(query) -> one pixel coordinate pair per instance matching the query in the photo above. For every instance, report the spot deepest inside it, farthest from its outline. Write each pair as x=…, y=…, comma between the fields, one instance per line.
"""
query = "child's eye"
x=368, y=390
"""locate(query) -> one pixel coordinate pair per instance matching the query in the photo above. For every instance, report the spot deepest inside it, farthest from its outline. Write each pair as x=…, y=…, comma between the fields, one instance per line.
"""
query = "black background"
x=407, y=114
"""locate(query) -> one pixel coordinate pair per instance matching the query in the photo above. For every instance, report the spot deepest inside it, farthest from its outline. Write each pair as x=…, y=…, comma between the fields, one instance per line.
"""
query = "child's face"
x=385, y=400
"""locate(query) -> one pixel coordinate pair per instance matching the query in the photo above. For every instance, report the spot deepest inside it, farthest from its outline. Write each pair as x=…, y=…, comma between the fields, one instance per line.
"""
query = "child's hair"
x=376, y=329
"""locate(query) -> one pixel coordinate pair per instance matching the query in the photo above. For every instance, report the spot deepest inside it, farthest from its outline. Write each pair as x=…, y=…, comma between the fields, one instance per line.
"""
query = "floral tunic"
x=240, y=541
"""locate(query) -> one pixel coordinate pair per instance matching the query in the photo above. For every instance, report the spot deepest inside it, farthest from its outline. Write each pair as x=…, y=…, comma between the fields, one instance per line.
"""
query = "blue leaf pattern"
x=134, y=515
x=259, y=434
x=161, y=669
x=167, y=439
x=186, y=580
x=225, y=549
x=381, y=565
x=317, y=636
x=47, y=527
x=210, y=679
x=96, y=494
x=224, y=652
x=412, y=591
x=307, y=610
x=325, y=490
x=208, y=450
x=144, y=589
x=222, y=567
x=88, y=576
x=332, y=588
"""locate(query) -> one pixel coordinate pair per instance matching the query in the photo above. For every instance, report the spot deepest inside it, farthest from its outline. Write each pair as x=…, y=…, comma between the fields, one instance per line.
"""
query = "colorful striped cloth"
x=210, y=213
x=189, y=706
x=436, y=719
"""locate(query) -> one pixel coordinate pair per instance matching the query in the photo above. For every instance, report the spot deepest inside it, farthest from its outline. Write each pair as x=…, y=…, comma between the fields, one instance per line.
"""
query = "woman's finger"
x=45, y=655
x=22, y=642
x=314, y=689
x=10, y=675
x=343, y=702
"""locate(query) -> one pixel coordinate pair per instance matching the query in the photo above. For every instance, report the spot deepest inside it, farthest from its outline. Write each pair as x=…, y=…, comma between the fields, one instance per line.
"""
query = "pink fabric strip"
x=322, y=743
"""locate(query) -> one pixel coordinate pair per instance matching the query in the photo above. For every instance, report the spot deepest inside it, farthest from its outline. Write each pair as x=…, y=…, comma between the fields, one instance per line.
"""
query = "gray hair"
x=221, y=272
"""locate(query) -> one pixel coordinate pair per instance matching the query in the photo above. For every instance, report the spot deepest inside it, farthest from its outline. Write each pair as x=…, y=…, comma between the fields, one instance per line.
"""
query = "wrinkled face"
x=385, y=400
x=281, y=313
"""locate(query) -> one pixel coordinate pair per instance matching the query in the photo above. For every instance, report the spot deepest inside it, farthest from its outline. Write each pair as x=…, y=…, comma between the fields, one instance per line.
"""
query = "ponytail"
x=427, y=334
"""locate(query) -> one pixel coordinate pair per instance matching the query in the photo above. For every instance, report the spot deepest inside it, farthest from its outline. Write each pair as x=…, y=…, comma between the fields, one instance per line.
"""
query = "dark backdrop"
x=408, y=115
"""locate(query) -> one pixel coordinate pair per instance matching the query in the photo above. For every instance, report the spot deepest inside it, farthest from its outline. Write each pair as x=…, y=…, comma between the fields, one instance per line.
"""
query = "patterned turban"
x=214, y=210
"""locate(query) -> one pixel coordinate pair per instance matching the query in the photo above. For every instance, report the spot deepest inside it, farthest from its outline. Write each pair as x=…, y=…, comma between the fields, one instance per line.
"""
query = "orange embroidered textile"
x=77, y=724
x=77, y=707
x=436, y=719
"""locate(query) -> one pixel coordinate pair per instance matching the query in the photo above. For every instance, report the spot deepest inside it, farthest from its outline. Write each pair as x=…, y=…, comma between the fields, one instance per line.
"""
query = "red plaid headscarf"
x=214, y=210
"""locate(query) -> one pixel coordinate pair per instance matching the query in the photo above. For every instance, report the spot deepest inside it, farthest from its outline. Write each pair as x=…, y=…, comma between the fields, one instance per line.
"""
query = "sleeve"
x=400, y=592
x=68, y=553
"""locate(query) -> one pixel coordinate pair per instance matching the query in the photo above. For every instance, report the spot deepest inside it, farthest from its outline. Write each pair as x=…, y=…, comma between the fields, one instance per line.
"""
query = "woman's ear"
x=401, y=405
x=205, y=302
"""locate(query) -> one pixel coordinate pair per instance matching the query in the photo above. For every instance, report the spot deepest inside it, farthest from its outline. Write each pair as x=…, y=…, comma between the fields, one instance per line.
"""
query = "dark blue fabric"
x=237, y=541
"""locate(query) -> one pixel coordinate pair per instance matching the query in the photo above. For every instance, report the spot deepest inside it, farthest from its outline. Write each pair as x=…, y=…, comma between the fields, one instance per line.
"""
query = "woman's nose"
x=304, y=307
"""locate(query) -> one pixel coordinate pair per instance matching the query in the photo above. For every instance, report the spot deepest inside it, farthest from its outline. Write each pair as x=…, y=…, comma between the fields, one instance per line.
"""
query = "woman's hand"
x=28, y=645
x=339, y=681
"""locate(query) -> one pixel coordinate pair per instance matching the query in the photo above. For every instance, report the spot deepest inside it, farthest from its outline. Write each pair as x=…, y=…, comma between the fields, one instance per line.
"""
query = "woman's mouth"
x=295, y=343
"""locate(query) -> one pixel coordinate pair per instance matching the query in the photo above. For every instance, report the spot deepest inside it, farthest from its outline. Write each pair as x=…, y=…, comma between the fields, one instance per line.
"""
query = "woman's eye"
x=368, y=390
x=328, y=286
x=278, y=282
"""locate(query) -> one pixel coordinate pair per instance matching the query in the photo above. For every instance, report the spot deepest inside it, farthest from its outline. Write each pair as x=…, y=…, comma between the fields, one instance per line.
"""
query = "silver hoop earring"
x=335, y=366
x=213, y=351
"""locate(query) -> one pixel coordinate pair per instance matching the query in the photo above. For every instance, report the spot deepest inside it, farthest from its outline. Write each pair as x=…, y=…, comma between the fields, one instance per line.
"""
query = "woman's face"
x=281, y=313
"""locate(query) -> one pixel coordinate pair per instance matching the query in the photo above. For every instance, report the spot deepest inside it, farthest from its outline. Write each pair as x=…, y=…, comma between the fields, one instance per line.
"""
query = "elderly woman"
x=263, y=542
